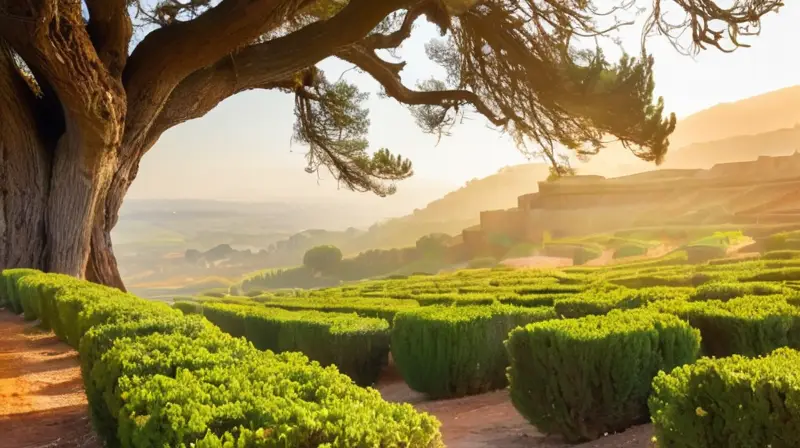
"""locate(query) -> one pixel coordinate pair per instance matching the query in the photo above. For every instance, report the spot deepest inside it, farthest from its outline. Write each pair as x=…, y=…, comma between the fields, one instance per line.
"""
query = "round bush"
x=582, y=378
x=446, y=351
x=734, y=401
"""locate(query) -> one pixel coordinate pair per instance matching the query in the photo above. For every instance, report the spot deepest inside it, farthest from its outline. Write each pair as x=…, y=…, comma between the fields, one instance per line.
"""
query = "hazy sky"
x=241, y=150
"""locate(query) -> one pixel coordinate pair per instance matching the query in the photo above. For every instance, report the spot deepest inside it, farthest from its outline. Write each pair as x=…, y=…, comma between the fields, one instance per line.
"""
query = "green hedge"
x=601, y=302
x=749, y=326
x=157, y=378
x=773, y=275
x=457, y=351
x=703, y=253
x=781, y=255
x=366, y=307
x=630, y=250
x=358, y=346
x=586, y=253
x=188, y=307
x=8, y=288
x=725, y=291
x=586, y=377
x=729, y=402
x=229, y=319
x=636, y=280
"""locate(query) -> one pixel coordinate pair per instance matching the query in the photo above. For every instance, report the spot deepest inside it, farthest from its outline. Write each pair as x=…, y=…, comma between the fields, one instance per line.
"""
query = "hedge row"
x=378, y=308
x=601, y=302
x=457, y=351
x=729, y=402
x=8, y=295
x=156, y=378
x=749, y=326
x=725, y=291
x=586, y=377
x=358, y=346
x=630, y=250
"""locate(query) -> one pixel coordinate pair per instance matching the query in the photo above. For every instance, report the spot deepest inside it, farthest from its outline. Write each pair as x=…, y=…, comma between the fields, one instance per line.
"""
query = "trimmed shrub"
x=532, y=300
x=188, y=307
x=582, y=378
x=703, y=253
x=8, y=287
x=630, y=250
x=781, y=255
x=358, y=346
x=601, y=302
x=455, y=298
x=783, y=241
x=656, y=279
x=27, y=291
x=98, y=340
x=229, y=319
x=379, y=308
x=457, y=351
x=585, y=253
x=749, y=326
x=736, y=402
x=774, y=275
x=157, y=378
x=725, y=291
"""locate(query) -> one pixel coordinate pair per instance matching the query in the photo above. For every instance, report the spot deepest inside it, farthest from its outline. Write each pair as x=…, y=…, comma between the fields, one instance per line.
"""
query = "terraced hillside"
x=755, y=193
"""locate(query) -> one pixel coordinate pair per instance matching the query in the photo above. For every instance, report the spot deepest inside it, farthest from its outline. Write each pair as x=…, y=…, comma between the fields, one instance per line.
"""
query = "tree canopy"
x=322, y=258
x=88, y=87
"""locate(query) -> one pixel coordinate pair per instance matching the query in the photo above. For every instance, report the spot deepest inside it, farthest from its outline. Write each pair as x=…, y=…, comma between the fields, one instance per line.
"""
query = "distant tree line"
x=324, y=265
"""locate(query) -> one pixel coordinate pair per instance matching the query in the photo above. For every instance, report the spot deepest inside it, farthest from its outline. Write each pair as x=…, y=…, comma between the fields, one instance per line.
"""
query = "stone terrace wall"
x=766, y=189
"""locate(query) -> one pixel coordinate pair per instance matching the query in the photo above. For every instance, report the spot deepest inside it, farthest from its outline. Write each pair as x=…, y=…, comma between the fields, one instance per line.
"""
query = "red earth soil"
x=490, y=421
x=42, y=402
x=43, y=405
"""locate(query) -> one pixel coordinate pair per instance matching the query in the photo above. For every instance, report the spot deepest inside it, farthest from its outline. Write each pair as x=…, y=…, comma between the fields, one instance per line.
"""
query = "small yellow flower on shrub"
x=700, y=412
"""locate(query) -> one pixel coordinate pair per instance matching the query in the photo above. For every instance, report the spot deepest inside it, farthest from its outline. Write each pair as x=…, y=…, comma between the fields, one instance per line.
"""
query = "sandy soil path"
x=42, y=402
x=43, y=405
x=490, y=421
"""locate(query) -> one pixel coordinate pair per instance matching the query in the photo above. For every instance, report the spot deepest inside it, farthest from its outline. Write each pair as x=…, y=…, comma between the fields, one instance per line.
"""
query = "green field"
x=584, y=351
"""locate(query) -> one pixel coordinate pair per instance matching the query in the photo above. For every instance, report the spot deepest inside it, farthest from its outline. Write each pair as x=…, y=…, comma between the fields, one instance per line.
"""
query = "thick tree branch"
x=393, y=40
x=269, y=64
x=59, y=51
x=24, y=170
x=110, y=29
x=168, y=55
x=386, y=74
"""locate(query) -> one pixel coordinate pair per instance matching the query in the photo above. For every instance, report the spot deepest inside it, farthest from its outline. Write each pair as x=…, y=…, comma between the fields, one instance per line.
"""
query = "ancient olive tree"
x=82, y=101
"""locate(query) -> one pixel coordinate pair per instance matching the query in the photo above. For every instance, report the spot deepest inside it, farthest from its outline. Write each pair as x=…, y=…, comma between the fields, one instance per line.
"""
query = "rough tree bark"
x=24, y=172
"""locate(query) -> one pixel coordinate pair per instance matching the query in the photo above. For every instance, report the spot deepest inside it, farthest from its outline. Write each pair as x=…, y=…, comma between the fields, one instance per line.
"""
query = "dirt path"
x=42, y=402
x=43, y=405
x=491, y=421
x=538, y=261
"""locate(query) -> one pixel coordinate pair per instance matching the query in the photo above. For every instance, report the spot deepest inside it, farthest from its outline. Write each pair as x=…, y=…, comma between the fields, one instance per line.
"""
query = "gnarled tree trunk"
x=78, y=112
x=24, y=173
